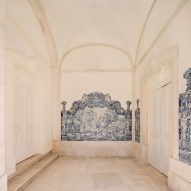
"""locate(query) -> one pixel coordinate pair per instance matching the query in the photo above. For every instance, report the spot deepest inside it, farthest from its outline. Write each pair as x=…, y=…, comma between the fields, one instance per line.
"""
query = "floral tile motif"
x=96, y=117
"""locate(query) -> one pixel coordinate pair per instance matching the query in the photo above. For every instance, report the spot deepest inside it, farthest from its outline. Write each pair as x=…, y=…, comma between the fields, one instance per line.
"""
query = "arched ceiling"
x=53, y=29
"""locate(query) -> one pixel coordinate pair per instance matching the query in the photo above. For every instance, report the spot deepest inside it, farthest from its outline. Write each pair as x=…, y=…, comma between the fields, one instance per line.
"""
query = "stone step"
x=20, y=167
x=25, y=177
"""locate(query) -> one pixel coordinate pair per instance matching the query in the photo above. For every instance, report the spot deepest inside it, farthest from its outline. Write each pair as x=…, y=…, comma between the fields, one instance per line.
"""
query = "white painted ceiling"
x=52, y=29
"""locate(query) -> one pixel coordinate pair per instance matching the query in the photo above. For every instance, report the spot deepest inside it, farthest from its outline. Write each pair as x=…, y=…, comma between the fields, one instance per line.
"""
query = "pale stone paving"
x=98, y=174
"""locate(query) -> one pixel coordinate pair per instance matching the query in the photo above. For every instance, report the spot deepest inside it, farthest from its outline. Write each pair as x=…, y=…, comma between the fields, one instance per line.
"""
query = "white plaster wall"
x=73, y=86
x=30, y=53
x=3, y=177
x=176, y=35
x=76, y=79
x=41, y=80
x=96, y=56
x=24, y=31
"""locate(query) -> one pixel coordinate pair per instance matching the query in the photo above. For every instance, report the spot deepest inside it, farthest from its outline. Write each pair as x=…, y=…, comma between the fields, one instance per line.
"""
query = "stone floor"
x=98, y=174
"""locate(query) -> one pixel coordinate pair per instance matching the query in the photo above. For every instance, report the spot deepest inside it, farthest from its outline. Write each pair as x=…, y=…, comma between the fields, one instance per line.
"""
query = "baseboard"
x=96, y=148
x=140, y=152
x=179, y=176
x=3, y=183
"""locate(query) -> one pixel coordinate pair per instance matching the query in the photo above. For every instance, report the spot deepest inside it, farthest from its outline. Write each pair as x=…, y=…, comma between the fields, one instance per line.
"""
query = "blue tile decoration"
x=184, y=121
x=96, y=117
x=137, y=123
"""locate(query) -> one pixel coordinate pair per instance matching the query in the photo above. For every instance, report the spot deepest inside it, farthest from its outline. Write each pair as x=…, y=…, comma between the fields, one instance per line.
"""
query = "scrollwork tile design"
x=96, y=118
x=184, y=121
x=137, y=123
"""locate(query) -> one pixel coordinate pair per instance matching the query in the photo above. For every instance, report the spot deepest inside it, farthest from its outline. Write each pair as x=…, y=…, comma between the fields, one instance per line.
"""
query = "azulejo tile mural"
x=184, y=121
x=137, y=123
x=96, y=117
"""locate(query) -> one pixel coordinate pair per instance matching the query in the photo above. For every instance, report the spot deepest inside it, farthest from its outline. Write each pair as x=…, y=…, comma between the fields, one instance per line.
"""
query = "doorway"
x=24, y=115
x=160, y=123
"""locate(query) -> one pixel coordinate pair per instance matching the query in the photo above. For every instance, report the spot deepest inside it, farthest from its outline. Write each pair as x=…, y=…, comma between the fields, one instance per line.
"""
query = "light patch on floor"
x=98, y=174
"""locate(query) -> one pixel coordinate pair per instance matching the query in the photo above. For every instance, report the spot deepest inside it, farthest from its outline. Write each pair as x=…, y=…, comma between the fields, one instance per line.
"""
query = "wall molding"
x=96, y=70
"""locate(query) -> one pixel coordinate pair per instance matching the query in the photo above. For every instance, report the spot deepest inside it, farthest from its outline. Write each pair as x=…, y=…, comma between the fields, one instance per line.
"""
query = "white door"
x=18, y=123
x=155, y=128
x=167, y=125
x=160, y=127
x=24, y=113
x=29, y=122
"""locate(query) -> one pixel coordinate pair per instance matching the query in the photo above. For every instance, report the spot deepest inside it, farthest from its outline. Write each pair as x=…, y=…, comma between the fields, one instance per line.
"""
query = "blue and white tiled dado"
x=185, y=121
x=96, y=117
x=137, y=123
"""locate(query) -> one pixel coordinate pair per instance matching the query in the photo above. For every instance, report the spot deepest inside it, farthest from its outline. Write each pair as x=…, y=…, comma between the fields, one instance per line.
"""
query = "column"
x=3, y=177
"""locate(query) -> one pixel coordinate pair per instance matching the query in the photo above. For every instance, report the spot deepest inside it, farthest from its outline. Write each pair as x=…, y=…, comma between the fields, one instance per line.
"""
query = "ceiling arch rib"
x=139, y=55
x=143, y=30
x=124, y=52
x=46, y=30
x=17, y=28
x=161, y=32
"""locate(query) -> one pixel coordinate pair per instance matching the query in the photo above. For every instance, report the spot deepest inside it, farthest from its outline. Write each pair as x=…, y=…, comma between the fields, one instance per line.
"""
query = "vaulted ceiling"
x=53, y=29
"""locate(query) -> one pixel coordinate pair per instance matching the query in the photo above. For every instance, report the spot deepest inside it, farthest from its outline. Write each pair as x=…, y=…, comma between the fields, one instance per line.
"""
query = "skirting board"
x=3, y=183
x=96, y=148
x=179, y=176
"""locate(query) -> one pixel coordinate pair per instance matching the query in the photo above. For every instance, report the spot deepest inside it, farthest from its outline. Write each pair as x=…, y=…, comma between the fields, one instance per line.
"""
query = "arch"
x=75, y=48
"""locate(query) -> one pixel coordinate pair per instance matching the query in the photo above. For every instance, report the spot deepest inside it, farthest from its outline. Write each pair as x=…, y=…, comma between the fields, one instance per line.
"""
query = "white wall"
x=29, y=53
x=176, y=35
x=96, y=56
x=118, y=85
x=39, y=76
x=3, y=177
x=95, y=69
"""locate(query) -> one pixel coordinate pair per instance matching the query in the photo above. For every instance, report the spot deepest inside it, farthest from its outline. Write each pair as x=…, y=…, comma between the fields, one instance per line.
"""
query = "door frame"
x=157, y=83
x=169, y=56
